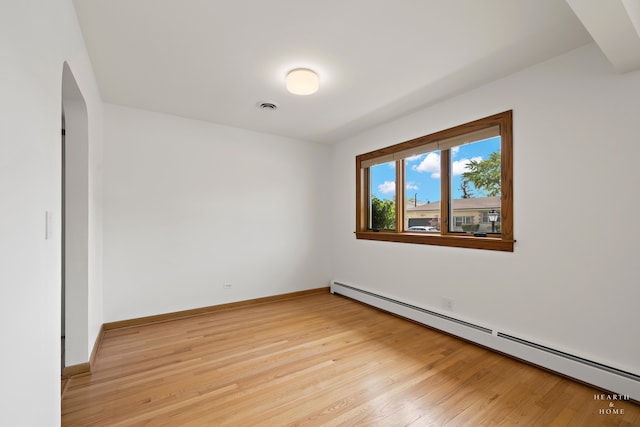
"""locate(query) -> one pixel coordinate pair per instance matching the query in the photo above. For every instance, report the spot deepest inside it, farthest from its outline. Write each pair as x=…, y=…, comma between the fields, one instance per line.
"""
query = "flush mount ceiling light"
x=302, y=81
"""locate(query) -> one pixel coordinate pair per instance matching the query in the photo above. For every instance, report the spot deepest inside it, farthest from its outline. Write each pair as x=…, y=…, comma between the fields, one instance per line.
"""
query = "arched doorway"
x=75, y=222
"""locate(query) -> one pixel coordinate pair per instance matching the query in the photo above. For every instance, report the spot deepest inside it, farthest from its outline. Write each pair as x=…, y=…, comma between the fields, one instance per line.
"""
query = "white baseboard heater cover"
x=602, y=376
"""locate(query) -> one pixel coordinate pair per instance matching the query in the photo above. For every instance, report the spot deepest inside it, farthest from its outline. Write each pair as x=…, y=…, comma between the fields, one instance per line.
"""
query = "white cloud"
x=412, y=186
x=414, y=157
x=430, y=164
x=387, y=187
x=460, y=166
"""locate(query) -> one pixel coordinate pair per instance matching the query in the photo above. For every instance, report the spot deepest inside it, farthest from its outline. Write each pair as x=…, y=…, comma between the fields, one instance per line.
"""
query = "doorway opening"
x=75, y=223
x=62, y=233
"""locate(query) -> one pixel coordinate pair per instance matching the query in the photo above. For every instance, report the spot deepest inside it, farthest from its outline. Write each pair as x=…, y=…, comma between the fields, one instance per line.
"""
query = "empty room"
x=242, y=213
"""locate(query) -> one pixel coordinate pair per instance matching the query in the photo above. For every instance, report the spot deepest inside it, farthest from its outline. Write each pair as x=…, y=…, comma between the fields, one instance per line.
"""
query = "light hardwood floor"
x=318, y=360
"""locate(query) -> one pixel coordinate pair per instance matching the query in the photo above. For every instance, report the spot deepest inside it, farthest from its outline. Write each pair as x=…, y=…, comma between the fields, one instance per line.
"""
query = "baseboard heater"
x=605, y=377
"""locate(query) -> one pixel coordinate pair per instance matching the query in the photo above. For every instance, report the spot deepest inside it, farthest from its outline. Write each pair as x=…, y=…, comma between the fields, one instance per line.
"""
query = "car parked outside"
x=421, y=228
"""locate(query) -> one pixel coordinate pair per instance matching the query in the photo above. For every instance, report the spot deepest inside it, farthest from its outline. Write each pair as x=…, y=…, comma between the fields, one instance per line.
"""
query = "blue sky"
x=423, y=172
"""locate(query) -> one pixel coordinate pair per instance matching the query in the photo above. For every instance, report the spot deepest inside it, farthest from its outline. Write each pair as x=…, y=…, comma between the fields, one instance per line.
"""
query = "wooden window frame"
x=503, y=241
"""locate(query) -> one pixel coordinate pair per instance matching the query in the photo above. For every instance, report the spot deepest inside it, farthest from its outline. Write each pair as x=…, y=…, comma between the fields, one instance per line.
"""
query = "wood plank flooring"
x=318, y=360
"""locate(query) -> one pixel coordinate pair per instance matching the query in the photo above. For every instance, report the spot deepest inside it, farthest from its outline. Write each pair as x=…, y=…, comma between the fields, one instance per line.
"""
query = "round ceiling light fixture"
x=302, y=81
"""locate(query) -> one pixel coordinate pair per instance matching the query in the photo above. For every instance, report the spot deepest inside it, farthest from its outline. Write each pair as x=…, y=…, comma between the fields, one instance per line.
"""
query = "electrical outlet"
x=227, y=286
x=447, y=303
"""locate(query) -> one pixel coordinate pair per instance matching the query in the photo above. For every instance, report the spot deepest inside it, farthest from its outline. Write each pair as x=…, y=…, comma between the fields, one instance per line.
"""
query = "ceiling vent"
x=266, y=105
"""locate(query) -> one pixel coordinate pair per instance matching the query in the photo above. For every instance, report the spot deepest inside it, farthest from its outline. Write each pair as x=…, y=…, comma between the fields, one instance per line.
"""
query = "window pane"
x=422, y=190
x=382, y=196
x=475, y=187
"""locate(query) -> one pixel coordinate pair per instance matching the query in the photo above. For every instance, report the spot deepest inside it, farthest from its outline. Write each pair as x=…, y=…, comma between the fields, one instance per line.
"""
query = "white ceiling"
x=377, y=59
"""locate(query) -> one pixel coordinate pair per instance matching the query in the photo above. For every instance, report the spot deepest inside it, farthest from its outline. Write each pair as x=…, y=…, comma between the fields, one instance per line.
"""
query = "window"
x=382, y=197
x=450, y=188
x=462, y=220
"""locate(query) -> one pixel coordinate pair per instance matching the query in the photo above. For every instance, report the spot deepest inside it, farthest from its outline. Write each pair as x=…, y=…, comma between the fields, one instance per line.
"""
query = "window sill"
x=457, y=241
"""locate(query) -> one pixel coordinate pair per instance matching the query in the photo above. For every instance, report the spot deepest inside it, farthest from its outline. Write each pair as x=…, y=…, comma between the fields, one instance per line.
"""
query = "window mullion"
x=365, y=199
x=400, y=198
x=445, y=213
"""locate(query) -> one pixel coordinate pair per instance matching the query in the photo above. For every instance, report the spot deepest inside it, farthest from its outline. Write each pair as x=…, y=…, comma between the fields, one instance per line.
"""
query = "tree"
x=383, y=214
x=466, y=191
x=484, y=175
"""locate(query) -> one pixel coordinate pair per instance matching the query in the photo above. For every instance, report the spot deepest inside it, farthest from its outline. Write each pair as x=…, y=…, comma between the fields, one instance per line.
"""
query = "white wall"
x=572, y=282
x=190, y=206
x=36, y=37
